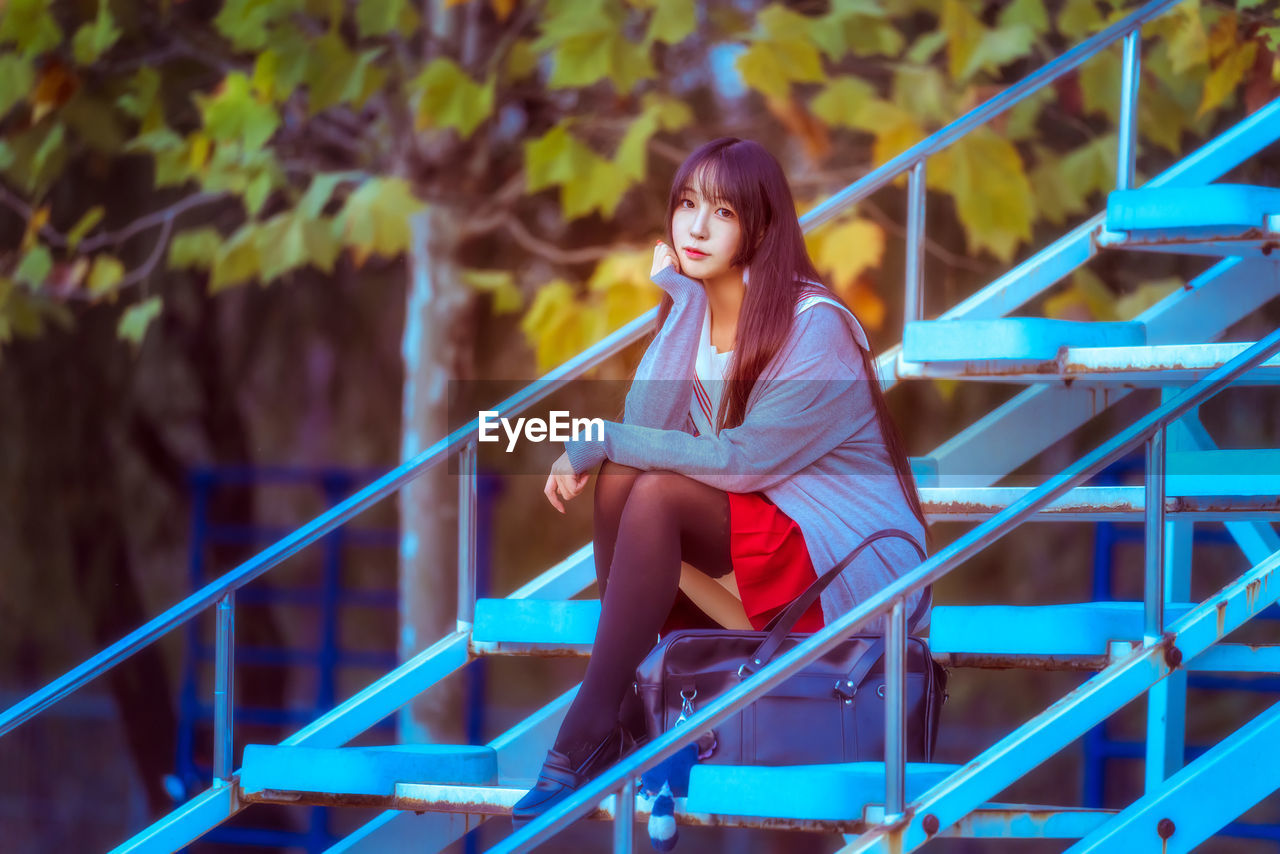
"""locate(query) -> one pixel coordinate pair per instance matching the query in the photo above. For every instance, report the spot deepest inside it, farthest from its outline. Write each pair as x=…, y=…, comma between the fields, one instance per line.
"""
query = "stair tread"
x=1063, y=636
x=988, y=820
x=362, y=771
x=1206, y=206
x=1024, y=338
x=1146, y=365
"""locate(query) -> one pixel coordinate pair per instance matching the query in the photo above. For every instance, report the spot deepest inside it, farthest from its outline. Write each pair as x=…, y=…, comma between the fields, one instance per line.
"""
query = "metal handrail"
x=891, y=597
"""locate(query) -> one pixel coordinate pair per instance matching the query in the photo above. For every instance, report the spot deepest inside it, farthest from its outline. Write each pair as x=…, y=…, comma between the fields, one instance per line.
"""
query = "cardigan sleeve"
x=798, y=415
x=659, y=395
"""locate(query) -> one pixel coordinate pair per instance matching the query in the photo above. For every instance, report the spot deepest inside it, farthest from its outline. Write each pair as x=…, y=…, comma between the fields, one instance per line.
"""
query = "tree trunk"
x=436, y=349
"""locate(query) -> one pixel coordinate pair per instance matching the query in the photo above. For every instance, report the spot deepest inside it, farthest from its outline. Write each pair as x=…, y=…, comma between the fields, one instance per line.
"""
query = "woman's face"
x=708, y=226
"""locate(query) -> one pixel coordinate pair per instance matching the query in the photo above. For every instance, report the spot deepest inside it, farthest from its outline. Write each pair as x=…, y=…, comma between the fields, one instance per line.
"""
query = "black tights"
x=646, y=523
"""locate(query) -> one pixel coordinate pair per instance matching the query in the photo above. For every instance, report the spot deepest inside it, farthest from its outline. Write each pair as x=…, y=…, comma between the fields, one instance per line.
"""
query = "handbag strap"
x=785, y=622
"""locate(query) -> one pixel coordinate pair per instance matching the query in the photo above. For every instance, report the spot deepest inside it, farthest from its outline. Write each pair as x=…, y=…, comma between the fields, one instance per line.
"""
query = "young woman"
x=755, y=451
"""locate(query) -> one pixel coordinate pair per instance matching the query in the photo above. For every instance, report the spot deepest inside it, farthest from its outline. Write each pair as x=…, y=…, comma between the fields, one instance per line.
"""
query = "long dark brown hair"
x=743, y=174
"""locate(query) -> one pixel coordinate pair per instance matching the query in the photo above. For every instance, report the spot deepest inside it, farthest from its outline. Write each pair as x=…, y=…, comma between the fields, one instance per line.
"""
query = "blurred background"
x=255, y=253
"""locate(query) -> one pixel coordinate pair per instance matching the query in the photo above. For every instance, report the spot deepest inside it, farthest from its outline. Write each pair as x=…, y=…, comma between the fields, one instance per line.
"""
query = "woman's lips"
x=693, y=254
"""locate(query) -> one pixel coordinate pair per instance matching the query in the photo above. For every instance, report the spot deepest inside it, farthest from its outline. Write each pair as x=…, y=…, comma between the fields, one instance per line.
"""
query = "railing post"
x=224, y=688
x=624, y=818
x=913, y=298
x=895, y=712
x=467, y=536
x=1129, y=78
x=1153, y=587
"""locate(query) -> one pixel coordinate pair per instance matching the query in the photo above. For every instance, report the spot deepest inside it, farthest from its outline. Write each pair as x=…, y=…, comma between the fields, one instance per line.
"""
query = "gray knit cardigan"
x=810, y=441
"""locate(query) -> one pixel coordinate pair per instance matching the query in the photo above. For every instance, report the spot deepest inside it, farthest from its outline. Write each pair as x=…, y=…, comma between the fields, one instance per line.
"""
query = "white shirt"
x=712, y=367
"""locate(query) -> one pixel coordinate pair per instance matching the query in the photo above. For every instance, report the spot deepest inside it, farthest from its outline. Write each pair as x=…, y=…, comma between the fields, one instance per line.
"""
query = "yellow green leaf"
x=673, y=21
x=840, y=102
x=520, y=62
x=1161, y=117
x=1024, y=116
x=1188, y=45
x=1056, y=196
x=1079, y=18
x=376, y=217
x=29, y=25
x=194, y=249
x=554, y=325
x=318, y=193
x=449, y=98
x=250, y=24
x=1085, y=298
x=551, y=159
x=964, y=34
x=1226, y=76
x=85, y=224
x=137, y=319
x=1100, y=83
x=233, y=114
x=378, y=17
x=926, y=46
x=764, y=70
x=34, y=267
x=499, y=283
x=94, y=39
x=237, y=261
x=923, y=91
x=1031, y=13
x=265, y=69
x=1146, y=295
x=105, y=274
x=993, y=196
x=599, y=185
x=632, y=154
x=1091, y=168
x=850, y=247
x=16, y=79
x=1222, y=36
x=673, y=113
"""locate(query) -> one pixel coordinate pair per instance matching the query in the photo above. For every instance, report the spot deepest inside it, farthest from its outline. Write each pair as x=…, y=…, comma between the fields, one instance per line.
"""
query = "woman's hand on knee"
x=563, y=483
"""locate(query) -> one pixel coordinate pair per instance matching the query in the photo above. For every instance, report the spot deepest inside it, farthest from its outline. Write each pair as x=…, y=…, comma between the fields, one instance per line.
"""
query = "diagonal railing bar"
x=975, y=540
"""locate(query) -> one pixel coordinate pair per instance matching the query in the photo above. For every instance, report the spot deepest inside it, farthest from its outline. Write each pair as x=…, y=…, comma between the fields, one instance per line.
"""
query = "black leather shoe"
x=558, y=779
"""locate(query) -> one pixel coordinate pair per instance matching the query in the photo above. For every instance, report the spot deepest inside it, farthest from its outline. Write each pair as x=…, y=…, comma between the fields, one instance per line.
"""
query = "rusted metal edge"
x=529, y=649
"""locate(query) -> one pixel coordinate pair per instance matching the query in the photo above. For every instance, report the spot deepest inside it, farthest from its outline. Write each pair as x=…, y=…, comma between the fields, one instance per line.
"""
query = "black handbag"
x=831, y=711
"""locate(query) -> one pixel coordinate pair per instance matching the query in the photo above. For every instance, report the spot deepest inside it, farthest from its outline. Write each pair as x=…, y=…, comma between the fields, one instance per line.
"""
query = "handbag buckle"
x=846, y=689
x=748, y=668
x=686, y=705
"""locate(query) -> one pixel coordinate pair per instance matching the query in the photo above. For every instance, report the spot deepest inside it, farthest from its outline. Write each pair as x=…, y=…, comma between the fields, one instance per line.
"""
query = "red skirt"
x=770, y=563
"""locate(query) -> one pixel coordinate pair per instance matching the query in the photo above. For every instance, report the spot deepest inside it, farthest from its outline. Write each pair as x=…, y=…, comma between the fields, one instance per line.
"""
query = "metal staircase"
x=1071, y=373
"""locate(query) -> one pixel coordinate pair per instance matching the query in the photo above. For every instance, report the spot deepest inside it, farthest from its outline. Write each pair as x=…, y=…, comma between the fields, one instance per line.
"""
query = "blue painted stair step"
x=1020, y=338
x=815, y=792
x=1214, y=219
x=371, y=771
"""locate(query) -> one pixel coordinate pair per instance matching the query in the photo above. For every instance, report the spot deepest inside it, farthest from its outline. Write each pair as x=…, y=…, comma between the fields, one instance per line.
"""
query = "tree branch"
x=553, y=253
x=142, y=224
x=157, y=251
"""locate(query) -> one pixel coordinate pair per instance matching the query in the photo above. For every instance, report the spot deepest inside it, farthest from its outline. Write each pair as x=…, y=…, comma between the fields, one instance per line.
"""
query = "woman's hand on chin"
x=664, y=256
x=563, y=483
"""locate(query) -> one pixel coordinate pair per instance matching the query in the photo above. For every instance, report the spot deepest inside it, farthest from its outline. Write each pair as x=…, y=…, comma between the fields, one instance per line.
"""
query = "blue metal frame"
x=326, y=658
x=1099, y=748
